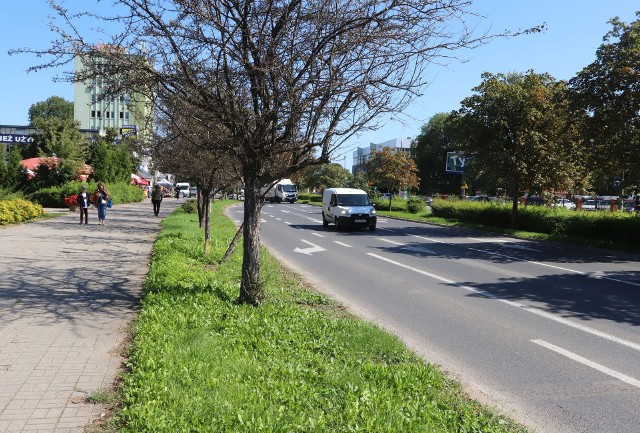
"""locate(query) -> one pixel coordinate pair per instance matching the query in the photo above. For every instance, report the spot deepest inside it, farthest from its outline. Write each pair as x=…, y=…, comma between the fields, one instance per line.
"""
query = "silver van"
x=347, y=207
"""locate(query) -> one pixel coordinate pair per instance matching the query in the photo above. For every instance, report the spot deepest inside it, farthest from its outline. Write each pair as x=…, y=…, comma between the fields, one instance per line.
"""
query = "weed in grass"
x=104, y=396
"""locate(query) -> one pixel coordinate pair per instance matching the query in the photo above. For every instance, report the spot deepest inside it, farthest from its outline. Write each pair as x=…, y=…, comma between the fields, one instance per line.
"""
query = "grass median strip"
x=201, y=362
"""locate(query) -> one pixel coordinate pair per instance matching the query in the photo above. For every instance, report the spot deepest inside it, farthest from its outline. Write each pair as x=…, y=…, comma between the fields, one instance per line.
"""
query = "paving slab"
x=67, y=295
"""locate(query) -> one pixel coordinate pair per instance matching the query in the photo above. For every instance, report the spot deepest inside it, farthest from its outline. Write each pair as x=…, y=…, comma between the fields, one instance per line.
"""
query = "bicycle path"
x=67, y=295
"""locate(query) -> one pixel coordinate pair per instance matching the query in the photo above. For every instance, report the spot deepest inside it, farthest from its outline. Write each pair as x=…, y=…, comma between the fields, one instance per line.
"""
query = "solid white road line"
x=317, y=234
x=342, y=243
x=589, y=363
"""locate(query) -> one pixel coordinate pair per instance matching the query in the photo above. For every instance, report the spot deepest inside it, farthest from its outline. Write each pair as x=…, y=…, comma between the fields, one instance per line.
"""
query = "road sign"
x=455, y=162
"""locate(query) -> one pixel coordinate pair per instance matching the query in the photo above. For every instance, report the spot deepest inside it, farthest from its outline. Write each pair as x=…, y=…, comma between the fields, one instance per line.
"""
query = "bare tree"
x=189, y=147
x=290, y=80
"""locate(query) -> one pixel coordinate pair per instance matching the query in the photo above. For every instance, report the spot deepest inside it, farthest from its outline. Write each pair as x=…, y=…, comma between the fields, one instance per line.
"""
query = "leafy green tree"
x=521, y=135
x=112, y=162
x=54, y=106
x=432, y=145
x=320, y=177
x=607, y=91
x=4, y=165
x=392, y=170
x=12, y=174
x=58, y=137
x=360, y=181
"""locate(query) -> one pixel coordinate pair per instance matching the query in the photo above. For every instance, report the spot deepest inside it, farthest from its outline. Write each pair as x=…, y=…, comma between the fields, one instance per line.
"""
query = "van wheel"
x=338, y=224
x=278, y=200
x=372, y=228
x=324, y=220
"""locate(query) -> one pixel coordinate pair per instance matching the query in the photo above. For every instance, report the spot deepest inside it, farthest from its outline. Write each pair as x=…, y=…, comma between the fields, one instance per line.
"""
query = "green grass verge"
x=201, y=362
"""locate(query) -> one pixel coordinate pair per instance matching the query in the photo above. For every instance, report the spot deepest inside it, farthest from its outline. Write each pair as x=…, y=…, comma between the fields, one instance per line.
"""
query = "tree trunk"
x=232, y=246
x=201, y=208
x=514, y=210
x=205, y=198
x=251, y=290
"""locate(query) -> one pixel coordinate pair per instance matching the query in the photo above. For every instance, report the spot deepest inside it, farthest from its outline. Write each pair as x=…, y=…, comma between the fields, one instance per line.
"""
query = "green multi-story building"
x=126, y=113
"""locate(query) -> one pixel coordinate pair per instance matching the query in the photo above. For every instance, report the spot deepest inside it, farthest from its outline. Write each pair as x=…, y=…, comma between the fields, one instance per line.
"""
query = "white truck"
x=283, y=190
x=182, y=188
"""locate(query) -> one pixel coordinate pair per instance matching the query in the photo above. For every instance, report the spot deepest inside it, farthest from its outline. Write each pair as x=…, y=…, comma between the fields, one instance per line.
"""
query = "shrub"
x=612, y=227
x=71, y=200
x=397, y=204
x=54, y=196
x=190, y=206
x=415, y=205
x=310, y=197
x=18, y=210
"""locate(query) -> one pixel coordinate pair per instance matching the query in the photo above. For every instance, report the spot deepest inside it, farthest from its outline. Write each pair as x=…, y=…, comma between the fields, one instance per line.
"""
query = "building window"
x=126, y=115
x=93, y=113
x=122, y=115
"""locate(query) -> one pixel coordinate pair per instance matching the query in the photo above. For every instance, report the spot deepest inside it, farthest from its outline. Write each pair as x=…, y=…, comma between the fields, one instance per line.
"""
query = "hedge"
x=18, y=210
x=612, y=227
x=121, y=192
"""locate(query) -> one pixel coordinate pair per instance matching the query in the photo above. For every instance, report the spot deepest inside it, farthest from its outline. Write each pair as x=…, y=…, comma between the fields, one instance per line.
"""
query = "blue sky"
x=574, y=31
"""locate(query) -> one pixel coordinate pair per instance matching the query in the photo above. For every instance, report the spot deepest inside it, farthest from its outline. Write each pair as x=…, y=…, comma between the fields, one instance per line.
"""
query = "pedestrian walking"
x=84, y=201
x=156, y=198
x=101, y=201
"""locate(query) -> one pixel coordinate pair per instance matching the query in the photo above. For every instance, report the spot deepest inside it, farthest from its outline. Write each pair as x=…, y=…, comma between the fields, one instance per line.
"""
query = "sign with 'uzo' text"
x=15, y=139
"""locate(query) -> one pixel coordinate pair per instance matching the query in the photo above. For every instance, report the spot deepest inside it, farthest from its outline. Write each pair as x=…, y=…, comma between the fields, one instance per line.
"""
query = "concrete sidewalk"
x=67, y=295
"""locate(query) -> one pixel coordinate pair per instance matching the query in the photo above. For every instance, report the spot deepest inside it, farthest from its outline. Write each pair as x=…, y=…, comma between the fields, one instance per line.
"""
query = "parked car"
x=193, y=192
x=565, y=203
x=428, y=200
x=535, y=201
x=596, y=203
x=385, y=196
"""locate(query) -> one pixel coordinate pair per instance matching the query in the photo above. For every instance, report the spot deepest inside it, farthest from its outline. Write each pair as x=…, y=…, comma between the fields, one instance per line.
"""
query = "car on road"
x=193, y=192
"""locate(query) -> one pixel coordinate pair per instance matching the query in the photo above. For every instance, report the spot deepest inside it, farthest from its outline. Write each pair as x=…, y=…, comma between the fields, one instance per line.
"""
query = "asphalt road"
x=548, y=333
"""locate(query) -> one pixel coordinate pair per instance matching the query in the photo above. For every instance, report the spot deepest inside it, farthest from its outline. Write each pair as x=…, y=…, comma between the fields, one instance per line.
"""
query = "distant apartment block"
x=362, y=154
x=124, y=113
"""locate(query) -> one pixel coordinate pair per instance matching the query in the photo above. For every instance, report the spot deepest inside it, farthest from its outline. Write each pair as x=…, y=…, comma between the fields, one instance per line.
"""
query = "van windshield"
x=353, y=200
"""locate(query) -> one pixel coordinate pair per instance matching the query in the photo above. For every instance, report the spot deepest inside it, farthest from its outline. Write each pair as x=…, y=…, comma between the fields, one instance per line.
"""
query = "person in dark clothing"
x=156, y=199
x=84, y=201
